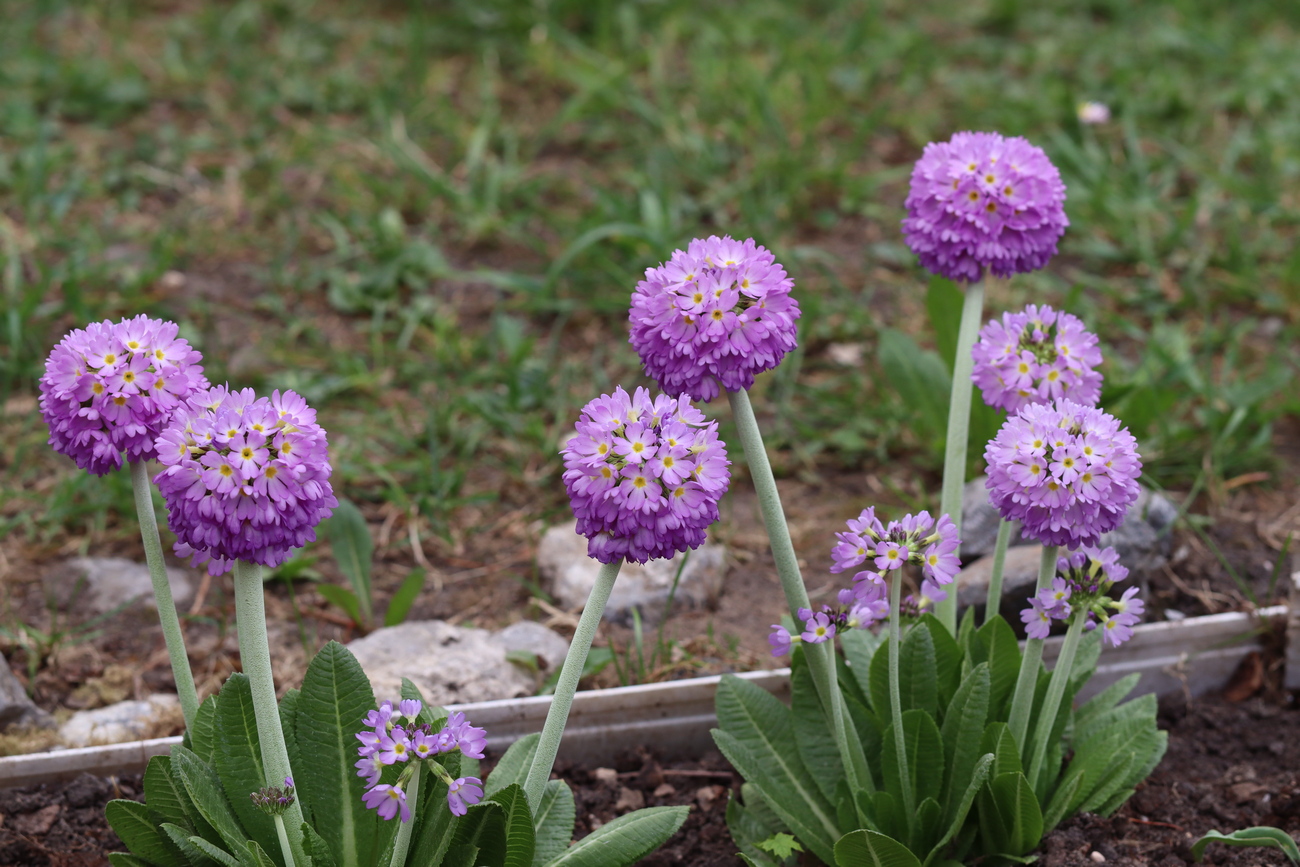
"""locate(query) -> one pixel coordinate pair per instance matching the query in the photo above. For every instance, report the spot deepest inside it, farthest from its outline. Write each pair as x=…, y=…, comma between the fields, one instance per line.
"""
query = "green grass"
x=428, y=218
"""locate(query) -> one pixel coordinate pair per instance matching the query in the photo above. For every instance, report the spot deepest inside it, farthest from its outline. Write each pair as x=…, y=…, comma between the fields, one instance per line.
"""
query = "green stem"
x=284, y=840
x=162, y=593
x=1055, y=689
x=895, y=695
x=820, y=665
x=954, y=459
x=403, y=841
x=993, y=603
x=567, y=685
x=1022, y=701
x=255, y=657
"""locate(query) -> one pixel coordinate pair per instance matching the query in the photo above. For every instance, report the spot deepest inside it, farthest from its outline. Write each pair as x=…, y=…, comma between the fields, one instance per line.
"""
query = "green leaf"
x=196, y=856
x=482, y=829
x=162, y=795
x=204, y=788
x=317, y=848
x=202, y=739
x=553, y=823
x=979, y=776
x=436, y=826
x=335, y=697
x=996, y=644
x=750, y=823
x=1261, y=835
x=1105, y=700
x=920, y=378
x=812, y=732
x=917, y=672
x=1010, y=818
x=520, y=839
x=289, y=726
x=943, y=302
x=202, y=827
x=514, y=765
x=947, y=659
x=859, y=646
x=889, y=815
x=929, y=818
x=258, y=854
x=626, y=840
x=239, y=758
x=400, y=605
x=923, y=747
x=1061, y=800
x=780, y=845
x=343, y=598
x=122, y=859
x=1006, y=752
x=349, y=539
x=131, y=821
x=461, y=855
x=598, y=659
x=865, y=848
x=963, y=728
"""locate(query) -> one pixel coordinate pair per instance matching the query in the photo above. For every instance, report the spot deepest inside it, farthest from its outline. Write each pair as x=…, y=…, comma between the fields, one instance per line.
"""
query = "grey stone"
x=122, y=722
x=546, y=644
x=450, y=664
x=570, y=573
x=110, y=582
x=1019, y=575
x=16, y=708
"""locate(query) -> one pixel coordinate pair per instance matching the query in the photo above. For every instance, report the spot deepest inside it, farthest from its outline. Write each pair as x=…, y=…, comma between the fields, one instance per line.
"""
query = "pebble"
x=122, y=722
x=16, y=707
x=1098, y=857
x=109, y=583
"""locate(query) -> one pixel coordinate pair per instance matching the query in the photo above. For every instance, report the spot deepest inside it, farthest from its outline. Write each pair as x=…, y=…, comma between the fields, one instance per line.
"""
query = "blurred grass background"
x=428, y=217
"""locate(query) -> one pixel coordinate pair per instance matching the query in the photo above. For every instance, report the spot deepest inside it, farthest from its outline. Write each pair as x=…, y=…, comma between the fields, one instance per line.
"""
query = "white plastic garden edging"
x=1194, y=656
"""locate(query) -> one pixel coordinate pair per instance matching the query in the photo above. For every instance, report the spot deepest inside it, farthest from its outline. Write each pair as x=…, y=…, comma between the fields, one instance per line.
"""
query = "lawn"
x=428, y=219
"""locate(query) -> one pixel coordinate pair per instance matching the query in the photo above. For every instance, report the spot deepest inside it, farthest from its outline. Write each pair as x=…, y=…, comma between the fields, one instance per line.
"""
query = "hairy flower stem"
x=284, y=841
x=820, y=664
x=558, y=714
x=895, y=696
x=403, y=840
x=255, y=657
x=954, y=459
x=1022, y=701
x=993, y=602
x=1052, y=702
x=162, y=593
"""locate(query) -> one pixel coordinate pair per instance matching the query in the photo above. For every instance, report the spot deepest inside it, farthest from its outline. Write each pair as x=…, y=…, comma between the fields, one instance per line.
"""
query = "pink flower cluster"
x=712, y=317
x=244, y=478
x=1036, y=356
x=396, y=736
x=644, y=475
x=111, y=388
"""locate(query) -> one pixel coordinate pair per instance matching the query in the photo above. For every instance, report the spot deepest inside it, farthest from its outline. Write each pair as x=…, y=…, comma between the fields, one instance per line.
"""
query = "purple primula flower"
x=653, y=507
x=781, y=640
x=1038, y=621
x=817, y=627
x=471, y=740
x=980, y=201
x=1116, y=630
x=712, y=317
x=394, y=747
x=224, y=503
x=369, y=742
x=1055, y=599
x=410, y=708
x=111, y=388
x=865, y=613
x=370, y=767
x=462, y=793
x=1128, y=607
x=424, y=744
x=379, y=718
x=388, y=801
x=1036, y=356
x=1067, y=472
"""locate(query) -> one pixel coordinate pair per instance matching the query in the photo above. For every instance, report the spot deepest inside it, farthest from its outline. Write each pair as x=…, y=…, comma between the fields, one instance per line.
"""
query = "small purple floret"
x=712, y=317
x=244, y=478
x=112, y=387
x=980, y=201
x=462, y=793
x=644, y=476
x=1036, y=356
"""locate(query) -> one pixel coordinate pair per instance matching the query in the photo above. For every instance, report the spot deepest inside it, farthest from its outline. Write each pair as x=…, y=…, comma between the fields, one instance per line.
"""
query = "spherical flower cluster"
x=274, y=800
x=111, y=388
x=1066, y=471
x=983, y=201
x=395, y=736
x=1089, y=574
x=644, y=475
x=714, y=315
x=916, y=539
x=244, y=478
x=1036, y=356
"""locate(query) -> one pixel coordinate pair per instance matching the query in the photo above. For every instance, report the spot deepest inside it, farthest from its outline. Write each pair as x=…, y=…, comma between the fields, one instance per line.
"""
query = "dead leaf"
x=1247, y=679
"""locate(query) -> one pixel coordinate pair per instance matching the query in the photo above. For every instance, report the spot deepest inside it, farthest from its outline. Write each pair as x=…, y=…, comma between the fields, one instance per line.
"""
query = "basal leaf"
x=947, y=659
x=918, y=672
x=163, y=796
x=258, y=854
x=335, y=698
x=1105, y=700
x=345, y=599
x=870, y=734
x=435, y=826
x=998, y=646
x=483, y=828
x=316, y=847
x=929, y=818
x=204, y=788
x=626, y=840
x=1010, y=819
x=514, y=765
x=289, y=726
x=519, y=833
x=239, y=759
x=349, y=539
x=195, y=856
x=1262, y=835
x=553, y=822
x=963, y=728
x=924, y=753
x=130, y=820
x=400, y=604
x=202, y=739
x=979, y=776
x=124, y=859
x=859, y=646
x=812, y=731
x=998, y=740
x=868, y=849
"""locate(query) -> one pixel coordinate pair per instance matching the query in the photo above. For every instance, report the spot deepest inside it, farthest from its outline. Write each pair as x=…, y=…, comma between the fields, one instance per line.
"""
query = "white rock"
x=564, y=564
x=121, y=722
x=113, y=581
x=546, y=644
x=450, y=664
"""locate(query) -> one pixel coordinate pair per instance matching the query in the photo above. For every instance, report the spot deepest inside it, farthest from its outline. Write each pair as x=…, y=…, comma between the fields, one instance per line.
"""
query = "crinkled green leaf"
x=131, y=821
x=163, y=796
x=202, y=733
x=204, y=788
x=923, y=748
x=1010, y=819
x=626, y=840
x=868, y=849
x=349, y=539
x=193, y=854
x=979, y=775
x=963, y=727
x=514, y=765
x=519, y=833
x=553, y=822
x=238, y=759
x=812, y=730
x=317, y=849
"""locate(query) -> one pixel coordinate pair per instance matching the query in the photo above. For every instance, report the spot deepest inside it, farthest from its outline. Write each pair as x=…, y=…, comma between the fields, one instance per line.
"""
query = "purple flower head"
x=983, y=201
x=817, y=627
x=244, y=478
x=462, y=793
x=914, y=539
x=388, y=801
x=644, y=476
x=781, y=640
x=1036, y=356
x=111, y=388
x=1066, y=471
x=712, y=317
